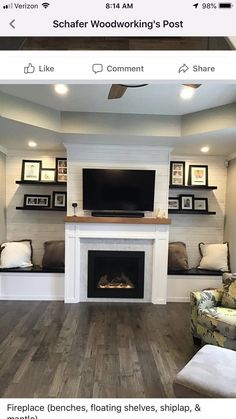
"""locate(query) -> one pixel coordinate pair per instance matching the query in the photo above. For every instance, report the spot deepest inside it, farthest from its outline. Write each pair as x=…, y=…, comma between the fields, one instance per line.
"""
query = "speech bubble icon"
x=97, y=68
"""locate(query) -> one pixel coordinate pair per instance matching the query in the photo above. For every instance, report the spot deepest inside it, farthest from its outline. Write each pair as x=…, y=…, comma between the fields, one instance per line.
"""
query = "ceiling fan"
x=118, y=90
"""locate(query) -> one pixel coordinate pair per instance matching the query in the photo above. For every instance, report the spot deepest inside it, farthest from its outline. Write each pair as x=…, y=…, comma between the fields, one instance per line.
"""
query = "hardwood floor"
x=50, y=349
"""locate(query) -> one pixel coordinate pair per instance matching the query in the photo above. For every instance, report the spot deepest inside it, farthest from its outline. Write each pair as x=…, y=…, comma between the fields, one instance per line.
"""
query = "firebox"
x=115, y=274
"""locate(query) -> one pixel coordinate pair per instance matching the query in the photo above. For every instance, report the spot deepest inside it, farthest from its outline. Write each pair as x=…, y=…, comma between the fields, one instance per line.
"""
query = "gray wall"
x=2, y=198
x=230, y=225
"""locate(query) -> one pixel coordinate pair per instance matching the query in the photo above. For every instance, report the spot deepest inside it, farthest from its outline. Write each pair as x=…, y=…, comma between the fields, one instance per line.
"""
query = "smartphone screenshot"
x=117, y=209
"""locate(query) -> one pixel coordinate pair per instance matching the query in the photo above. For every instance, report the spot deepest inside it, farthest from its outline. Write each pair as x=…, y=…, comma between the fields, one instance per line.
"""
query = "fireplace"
x=115, y=274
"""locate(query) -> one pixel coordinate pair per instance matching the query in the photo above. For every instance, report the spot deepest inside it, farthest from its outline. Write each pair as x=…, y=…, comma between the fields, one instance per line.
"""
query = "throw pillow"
x=54, y=254
x=177, y=257
x=16, y=254
x=214, y=257
x=229, y=295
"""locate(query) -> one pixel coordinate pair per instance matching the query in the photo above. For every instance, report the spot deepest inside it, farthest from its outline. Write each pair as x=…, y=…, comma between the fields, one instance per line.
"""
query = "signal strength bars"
x=8, y=6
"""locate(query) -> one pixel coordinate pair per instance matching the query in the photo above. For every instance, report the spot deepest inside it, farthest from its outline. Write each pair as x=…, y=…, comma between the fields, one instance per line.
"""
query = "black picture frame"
x=47, y=175
x=173, y=203
x=37, y=201
x=61, y=169
x=186, y=202
x=59, y=199
x=31, y=170
x=197, y=204
x=198, y=175
x=177, y=173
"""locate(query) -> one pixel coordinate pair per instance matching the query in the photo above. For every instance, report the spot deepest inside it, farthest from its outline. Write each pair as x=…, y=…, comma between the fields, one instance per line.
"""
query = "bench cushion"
x=33, y=269
x=196, y=271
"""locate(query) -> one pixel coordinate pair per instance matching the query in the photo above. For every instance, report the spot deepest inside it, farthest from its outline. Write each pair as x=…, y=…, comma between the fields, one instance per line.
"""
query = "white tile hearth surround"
x=152, y=238
x=116, y=245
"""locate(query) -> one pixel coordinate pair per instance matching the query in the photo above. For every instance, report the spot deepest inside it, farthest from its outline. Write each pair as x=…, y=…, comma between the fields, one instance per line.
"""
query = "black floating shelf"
x=29, y=182
x=192, y=187
x=192, y=212
x=40, y=209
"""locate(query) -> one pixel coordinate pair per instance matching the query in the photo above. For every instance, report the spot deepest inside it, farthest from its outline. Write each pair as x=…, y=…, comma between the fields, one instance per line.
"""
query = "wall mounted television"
x=118, y=191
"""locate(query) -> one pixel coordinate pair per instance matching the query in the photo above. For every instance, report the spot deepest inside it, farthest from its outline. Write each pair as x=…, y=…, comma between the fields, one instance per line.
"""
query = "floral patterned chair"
x=213, y=314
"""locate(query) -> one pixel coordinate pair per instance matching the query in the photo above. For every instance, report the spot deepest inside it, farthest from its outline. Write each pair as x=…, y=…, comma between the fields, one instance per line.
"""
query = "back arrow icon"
x=12, y=24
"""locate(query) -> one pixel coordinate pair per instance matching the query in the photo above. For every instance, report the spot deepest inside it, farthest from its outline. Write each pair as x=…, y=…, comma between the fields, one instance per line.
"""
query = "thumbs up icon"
x=29, y=69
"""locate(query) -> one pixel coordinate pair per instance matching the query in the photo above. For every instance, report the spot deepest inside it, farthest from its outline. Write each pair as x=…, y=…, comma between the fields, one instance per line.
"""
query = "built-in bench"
x=196, y=271
x=33, y=283
x=37, y=283
x=33, y=269
x=180, y=283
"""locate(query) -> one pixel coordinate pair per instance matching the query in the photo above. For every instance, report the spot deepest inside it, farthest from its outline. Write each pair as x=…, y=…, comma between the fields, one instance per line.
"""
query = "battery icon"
x=225, y=5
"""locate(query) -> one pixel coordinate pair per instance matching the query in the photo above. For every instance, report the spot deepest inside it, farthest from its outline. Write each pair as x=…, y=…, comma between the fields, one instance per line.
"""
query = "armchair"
x=210, y=321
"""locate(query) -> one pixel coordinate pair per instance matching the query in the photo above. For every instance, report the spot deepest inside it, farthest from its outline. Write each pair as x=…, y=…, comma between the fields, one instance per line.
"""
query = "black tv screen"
x=118, y=190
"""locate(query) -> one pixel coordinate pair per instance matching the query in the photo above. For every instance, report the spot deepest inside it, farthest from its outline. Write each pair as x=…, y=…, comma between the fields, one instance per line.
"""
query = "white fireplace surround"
x=157, y=233
x=97, y=154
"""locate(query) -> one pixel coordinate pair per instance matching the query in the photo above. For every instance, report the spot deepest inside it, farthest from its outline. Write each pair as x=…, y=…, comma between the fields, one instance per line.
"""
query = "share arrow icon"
x=195, y=5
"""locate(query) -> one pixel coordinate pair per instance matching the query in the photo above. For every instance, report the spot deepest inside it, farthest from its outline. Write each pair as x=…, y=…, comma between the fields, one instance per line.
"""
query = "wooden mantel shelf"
x=117, y=220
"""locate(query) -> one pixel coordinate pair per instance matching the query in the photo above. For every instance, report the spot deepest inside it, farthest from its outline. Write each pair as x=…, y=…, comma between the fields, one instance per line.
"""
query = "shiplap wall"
x=34, y=225
x=2, y=198
x=39, y=226
x=193, y=229
x=119, y=157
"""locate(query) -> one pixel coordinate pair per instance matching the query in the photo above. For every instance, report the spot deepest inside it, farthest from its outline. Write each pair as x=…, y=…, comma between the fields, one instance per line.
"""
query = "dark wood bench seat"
x=196, y=271
x=33, y=269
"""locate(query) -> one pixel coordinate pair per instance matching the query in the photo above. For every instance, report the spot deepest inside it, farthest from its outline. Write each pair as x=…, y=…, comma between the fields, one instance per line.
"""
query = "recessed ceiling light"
x=205, y=149
x=187, y=92
x=32, y=144
x=61, y=89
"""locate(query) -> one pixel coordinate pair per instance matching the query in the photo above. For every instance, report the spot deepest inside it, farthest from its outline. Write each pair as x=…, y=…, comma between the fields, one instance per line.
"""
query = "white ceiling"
x=155, y=99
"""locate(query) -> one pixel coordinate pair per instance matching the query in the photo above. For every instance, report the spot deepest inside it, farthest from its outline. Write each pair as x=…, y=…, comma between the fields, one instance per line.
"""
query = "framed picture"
x=59, y=199
x=201, y=204
x=61, y=169
x=31, y=170
x=186, y=202
x=37, y=201
x=198, y=175
x=177, y=173
x=173, y=203
x=48, y=175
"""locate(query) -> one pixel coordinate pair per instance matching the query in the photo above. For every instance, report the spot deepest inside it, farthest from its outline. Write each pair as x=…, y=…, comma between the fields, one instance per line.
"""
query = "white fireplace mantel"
x=78, y=229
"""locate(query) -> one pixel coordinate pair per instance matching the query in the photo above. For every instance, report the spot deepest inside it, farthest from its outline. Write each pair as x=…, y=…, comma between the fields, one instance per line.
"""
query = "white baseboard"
x=32, y=298
x=178, y=300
